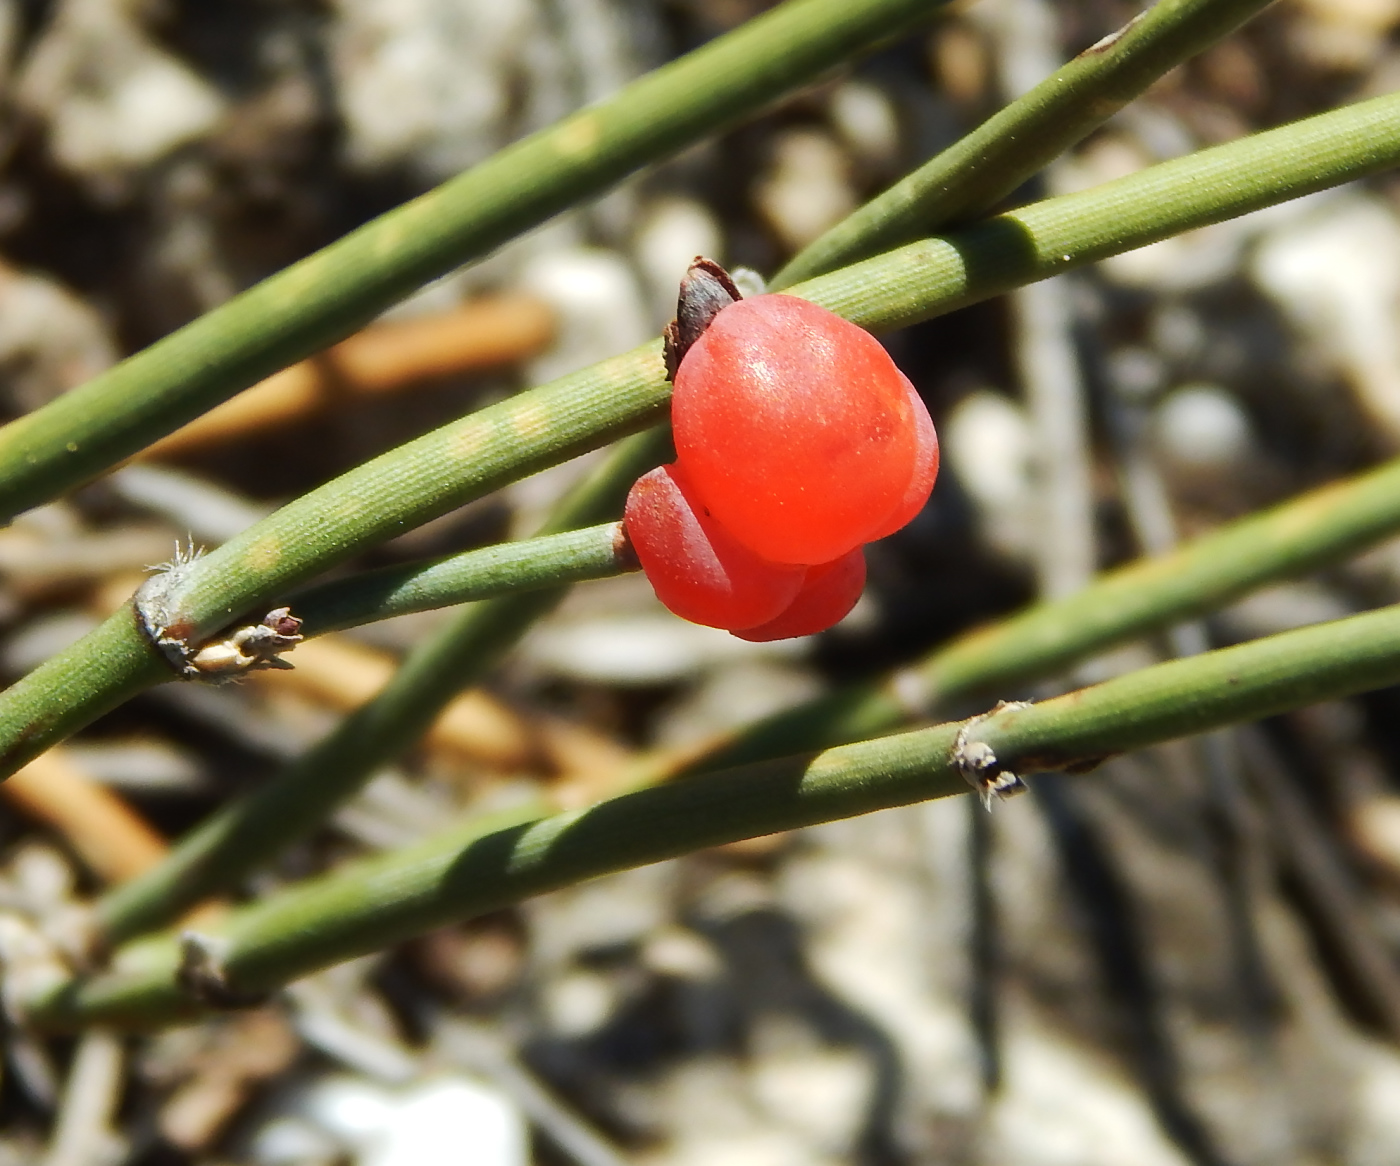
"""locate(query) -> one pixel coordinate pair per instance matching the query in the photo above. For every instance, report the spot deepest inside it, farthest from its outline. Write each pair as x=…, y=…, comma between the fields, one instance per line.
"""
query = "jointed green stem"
x=446, y=468
x=324, y=297
x=983, y=167
x=402, y=488
x=243, y=834
x=383, y=901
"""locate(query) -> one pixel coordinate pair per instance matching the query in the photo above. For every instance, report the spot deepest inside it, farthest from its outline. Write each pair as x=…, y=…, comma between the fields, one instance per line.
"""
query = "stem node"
x=244, y=650
x=977, y=761
x=203, y=976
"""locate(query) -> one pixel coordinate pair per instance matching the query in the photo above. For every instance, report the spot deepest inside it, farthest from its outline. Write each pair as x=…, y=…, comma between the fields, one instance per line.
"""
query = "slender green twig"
x=983, y=167
x=1321, y=527
x=551, y=560
x=446, y=468
x=1061, y=234
x=243, y=834
x=324, y=297
x=405, y=487
x=374, y=904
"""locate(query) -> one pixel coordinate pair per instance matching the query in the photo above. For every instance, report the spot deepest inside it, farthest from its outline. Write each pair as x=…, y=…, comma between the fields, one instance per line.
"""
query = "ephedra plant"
x=935, y=242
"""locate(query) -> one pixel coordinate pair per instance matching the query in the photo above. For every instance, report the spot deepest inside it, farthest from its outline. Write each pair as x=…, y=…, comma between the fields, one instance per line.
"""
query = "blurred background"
x=1188, y=958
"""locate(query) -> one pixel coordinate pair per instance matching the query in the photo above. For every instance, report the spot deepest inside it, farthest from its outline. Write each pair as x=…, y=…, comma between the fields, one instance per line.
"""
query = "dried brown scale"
x=625, y=553
x=706, y=290
x=246, y=649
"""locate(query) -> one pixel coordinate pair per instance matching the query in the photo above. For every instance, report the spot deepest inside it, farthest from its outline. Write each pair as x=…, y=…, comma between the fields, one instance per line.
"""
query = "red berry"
x=796, y=429
x=696, y=569
x=800, y=442
x=828, y=594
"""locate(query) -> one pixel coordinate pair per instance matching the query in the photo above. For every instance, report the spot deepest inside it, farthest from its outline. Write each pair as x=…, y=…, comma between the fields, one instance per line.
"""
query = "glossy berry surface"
x=798, y=431
x=696, y=569
x=826, y=597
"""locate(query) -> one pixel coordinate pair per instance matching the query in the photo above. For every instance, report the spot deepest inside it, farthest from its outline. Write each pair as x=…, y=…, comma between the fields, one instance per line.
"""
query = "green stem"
x=331, y=293
x=380, y=902
x=940, y=274
x=982, y=168
x=1321, y=527
x=405, y=487
x=242, y=835
x=461, y=461
x=555, y=560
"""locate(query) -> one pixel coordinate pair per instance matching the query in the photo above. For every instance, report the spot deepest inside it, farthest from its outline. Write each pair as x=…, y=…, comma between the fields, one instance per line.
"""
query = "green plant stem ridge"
x=1294, y=537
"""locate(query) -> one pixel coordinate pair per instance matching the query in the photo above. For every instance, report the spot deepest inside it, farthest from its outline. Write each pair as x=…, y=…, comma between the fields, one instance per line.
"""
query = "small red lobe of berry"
x=827, y=596
x=695, y=567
